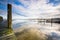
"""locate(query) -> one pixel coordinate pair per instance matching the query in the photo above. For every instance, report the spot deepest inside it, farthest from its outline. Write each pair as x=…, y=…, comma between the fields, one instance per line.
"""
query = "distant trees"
x=1, y=19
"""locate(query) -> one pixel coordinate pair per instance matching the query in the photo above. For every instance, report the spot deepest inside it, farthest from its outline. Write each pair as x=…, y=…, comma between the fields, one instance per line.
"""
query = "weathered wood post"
x=51, y=22
x=9, y=15
x=9, y=22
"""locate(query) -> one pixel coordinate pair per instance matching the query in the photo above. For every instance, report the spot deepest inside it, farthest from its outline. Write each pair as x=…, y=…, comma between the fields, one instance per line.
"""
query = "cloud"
x=15, y=16
x=3, y=2
x=37, y=8
x=34, y=8
x=3, y=8
x=54, y=2
x=3, y=14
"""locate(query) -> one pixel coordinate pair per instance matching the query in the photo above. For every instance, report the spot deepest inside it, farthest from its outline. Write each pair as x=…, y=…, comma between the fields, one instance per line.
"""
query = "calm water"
x=53, y=30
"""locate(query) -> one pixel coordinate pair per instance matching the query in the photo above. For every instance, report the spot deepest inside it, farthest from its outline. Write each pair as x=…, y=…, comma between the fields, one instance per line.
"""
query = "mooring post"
x=9, y=21
x=51, y=22
x=9, y=15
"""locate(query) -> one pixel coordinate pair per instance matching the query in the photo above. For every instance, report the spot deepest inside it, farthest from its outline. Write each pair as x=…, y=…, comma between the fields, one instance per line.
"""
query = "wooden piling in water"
x=9, y=15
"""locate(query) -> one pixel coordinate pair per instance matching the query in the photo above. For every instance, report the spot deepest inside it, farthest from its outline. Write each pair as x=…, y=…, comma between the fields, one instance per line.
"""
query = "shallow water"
x=53, y=30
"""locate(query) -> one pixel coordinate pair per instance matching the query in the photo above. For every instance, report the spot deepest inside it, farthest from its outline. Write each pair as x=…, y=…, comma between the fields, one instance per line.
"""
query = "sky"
x=22, y=9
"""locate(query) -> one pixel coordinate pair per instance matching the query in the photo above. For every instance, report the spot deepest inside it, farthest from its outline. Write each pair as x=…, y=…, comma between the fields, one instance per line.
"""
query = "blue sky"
x=31, y=8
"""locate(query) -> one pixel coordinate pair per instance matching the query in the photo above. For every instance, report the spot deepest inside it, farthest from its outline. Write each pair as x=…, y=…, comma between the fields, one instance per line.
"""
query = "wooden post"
x=9, y=15
x=51, y=22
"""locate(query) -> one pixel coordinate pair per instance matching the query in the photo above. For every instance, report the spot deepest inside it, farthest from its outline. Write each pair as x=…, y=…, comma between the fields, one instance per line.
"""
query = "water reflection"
x=52, y=30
